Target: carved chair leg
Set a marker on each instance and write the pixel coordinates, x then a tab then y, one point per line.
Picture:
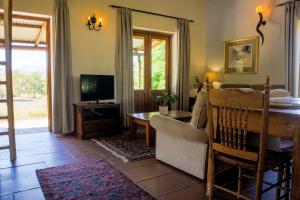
287	176
211	176
240	176
259	184
279	179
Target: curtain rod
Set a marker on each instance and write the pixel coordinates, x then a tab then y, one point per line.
151	13
282	4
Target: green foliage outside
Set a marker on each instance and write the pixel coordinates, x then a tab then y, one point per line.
30	99
157	70
158	67
29	84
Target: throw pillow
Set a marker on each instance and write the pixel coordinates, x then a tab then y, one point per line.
199	114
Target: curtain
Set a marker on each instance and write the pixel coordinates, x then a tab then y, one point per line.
123	71
183	63
62	72
292	46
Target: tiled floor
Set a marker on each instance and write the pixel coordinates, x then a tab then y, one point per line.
42	150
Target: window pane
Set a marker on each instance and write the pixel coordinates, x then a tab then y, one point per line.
138	62
158	68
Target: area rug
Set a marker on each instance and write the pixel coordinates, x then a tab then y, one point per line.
126	149
88	180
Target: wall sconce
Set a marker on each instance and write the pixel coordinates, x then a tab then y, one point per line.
93	25
262	22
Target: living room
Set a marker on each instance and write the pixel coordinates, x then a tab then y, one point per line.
156	100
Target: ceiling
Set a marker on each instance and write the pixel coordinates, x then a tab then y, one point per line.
26	32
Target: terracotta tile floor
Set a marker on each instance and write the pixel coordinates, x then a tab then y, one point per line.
42	150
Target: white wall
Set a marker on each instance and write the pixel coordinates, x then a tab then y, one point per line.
237	19
94	52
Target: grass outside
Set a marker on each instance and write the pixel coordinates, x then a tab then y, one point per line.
28	108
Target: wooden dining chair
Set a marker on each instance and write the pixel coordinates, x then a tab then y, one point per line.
228	142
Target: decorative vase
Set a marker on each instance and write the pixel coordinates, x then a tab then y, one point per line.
163	110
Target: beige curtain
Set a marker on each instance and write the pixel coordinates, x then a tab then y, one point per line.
292	47
123	71
63	88
183	64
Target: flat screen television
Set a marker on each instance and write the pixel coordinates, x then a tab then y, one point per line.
96	87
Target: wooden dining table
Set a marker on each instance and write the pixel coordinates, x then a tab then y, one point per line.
283	123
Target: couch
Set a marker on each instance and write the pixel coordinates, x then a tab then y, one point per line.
181	145
184	145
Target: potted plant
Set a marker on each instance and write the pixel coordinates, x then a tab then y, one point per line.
165	100
198	84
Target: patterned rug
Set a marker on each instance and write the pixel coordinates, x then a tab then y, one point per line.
89	180
127	149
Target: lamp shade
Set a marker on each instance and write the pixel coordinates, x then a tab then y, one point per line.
212	76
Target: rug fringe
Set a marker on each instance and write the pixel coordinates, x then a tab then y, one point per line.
111	151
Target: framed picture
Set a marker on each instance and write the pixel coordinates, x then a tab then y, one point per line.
241	56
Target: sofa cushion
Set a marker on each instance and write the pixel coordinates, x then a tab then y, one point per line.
199	114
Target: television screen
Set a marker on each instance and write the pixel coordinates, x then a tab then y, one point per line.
96	87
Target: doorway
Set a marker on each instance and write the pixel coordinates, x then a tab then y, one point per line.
151	68
31	73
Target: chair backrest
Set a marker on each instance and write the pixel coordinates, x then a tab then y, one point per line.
228	112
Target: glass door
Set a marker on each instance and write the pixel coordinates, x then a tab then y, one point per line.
139	75
151	68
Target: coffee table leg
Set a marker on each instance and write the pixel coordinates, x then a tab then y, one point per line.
147	135
150	136
132	127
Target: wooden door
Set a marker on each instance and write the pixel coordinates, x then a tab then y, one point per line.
151	61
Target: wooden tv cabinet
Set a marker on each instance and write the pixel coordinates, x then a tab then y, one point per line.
93	120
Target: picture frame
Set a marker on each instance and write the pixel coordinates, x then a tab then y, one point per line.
241	56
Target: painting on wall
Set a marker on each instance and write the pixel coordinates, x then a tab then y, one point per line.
241	56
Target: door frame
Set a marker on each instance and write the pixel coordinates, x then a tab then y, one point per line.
49	60
148	35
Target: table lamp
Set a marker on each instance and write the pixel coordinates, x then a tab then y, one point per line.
212	76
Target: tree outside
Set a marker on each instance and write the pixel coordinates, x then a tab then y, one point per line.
158	67
158	70
32	85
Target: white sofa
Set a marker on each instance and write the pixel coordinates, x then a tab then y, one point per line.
181	145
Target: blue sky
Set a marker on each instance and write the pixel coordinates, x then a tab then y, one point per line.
28	61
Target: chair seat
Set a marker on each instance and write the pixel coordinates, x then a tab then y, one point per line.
272	160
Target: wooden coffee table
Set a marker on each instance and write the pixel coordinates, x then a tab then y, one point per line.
143	119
